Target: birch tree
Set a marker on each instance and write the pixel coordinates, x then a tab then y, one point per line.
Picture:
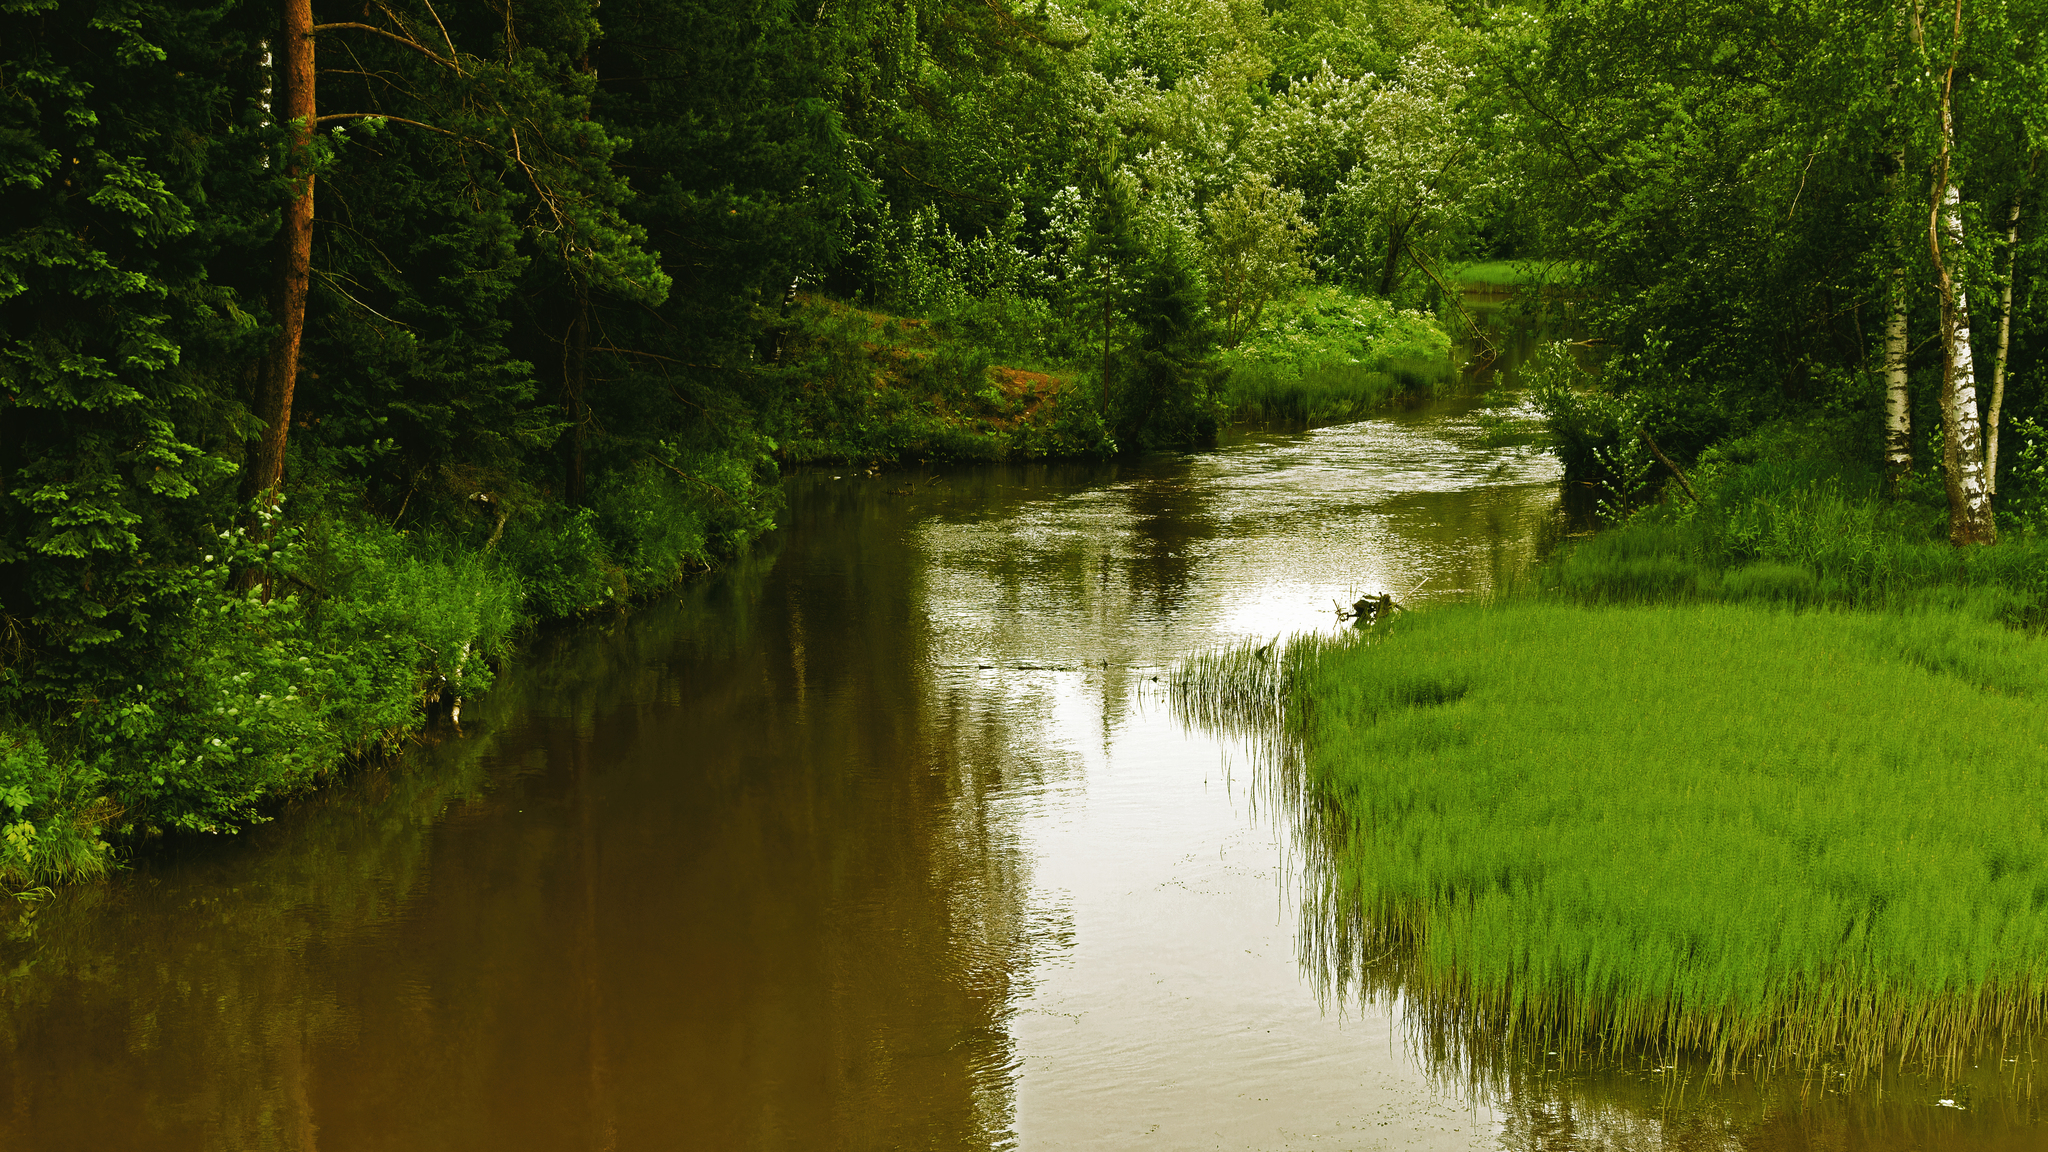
2005	284
1963	451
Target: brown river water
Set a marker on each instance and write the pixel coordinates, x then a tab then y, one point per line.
886	837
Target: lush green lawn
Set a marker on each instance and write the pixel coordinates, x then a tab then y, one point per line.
1752	831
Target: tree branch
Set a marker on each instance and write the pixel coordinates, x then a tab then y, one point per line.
394	37
382	116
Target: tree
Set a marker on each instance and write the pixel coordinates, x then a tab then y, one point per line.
521	112
1969	490
1257	249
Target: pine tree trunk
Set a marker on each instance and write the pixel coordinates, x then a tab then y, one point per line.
575	375
277	376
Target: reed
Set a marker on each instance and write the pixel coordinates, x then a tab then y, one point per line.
1759	836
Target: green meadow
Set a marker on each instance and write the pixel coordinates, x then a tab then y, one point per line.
1746	832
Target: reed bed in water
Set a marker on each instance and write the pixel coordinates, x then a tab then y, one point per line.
1760	836
1245	689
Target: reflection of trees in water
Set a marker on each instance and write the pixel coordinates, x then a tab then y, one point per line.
1173	520
690	871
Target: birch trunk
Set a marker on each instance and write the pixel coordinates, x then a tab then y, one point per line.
2012	247
277	376
1969	495
1962	450
1898	407
1898	395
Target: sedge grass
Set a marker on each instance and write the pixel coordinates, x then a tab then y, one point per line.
1327	393
1751	834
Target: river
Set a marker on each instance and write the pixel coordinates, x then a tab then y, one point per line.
885	837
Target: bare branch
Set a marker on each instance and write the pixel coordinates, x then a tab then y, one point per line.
395	38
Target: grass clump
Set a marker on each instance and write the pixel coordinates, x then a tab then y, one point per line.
1761	835
1327	355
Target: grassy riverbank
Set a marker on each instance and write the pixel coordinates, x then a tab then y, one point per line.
867	387
1746	776
1325	355
1741	830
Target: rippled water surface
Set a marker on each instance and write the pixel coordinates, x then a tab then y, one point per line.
884	838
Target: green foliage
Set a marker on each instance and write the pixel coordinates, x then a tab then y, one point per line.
1543	810
866	387
1505	273
1326	354
1256	250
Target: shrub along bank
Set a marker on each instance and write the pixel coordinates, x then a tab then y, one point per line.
254	695
1325	355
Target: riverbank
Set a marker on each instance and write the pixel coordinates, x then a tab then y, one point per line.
359	626
871	389
281	657
1735	778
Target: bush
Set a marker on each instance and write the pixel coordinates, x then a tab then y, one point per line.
1326	354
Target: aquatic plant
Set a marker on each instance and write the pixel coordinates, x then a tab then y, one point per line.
1755	833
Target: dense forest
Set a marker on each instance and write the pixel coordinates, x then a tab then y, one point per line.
339	343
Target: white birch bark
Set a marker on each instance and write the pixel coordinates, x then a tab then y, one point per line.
2012	247
1898	406
1969	496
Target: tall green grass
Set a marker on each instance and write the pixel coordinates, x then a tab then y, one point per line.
1324	393
1760	835
1802	532
1513	272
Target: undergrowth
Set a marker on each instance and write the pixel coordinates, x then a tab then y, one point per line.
257	693
867	387
1802	532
